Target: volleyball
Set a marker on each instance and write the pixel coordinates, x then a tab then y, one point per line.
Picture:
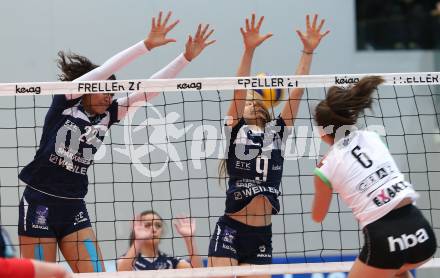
271	97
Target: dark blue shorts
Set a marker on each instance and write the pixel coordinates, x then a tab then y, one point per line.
246	244
41	215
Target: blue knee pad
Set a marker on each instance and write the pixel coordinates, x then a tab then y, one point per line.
39	252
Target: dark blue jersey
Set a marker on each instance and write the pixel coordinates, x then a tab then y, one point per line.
68	143
254	164
163	261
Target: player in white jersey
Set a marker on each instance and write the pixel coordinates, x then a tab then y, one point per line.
361	169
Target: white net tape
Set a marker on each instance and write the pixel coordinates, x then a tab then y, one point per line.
207	84
240	270
229	83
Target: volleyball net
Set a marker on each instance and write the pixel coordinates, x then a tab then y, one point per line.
165	155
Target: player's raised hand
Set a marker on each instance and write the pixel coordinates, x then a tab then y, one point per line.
159	31
185	226
251	33
195	45
313	35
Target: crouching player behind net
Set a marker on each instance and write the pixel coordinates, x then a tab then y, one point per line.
255	162
144	252
361	169
52	209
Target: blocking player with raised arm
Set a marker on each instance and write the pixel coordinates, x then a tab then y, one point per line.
144	252
52	209
255	162
361	169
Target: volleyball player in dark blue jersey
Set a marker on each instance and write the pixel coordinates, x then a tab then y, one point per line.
144	252
52	210
255	162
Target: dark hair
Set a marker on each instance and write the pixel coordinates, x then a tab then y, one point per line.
73	66
342	106
145	212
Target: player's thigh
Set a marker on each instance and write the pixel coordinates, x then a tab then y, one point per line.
81	251
254	276
43	249
361	270
407	267
222	261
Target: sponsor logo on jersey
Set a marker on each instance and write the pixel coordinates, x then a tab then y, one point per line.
258	189
389	193
238	196
407	241
243	165
68	165
247	183
276	167
381	173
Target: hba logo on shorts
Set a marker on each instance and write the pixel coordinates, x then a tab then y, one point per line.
407	241
24	90
193	85
346	80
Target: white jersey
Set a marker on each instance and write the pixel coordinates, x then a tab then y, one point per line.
361	169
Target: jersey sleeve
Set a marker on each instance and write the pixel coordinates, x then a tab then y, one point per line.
281	124
112	65
231	132
113	111
58	105
324	171
18	268
136	99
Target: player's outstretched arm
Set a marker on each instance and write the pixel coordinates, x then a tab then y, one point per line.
251	39
310	40
186	227
157	37
194	46
321	201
